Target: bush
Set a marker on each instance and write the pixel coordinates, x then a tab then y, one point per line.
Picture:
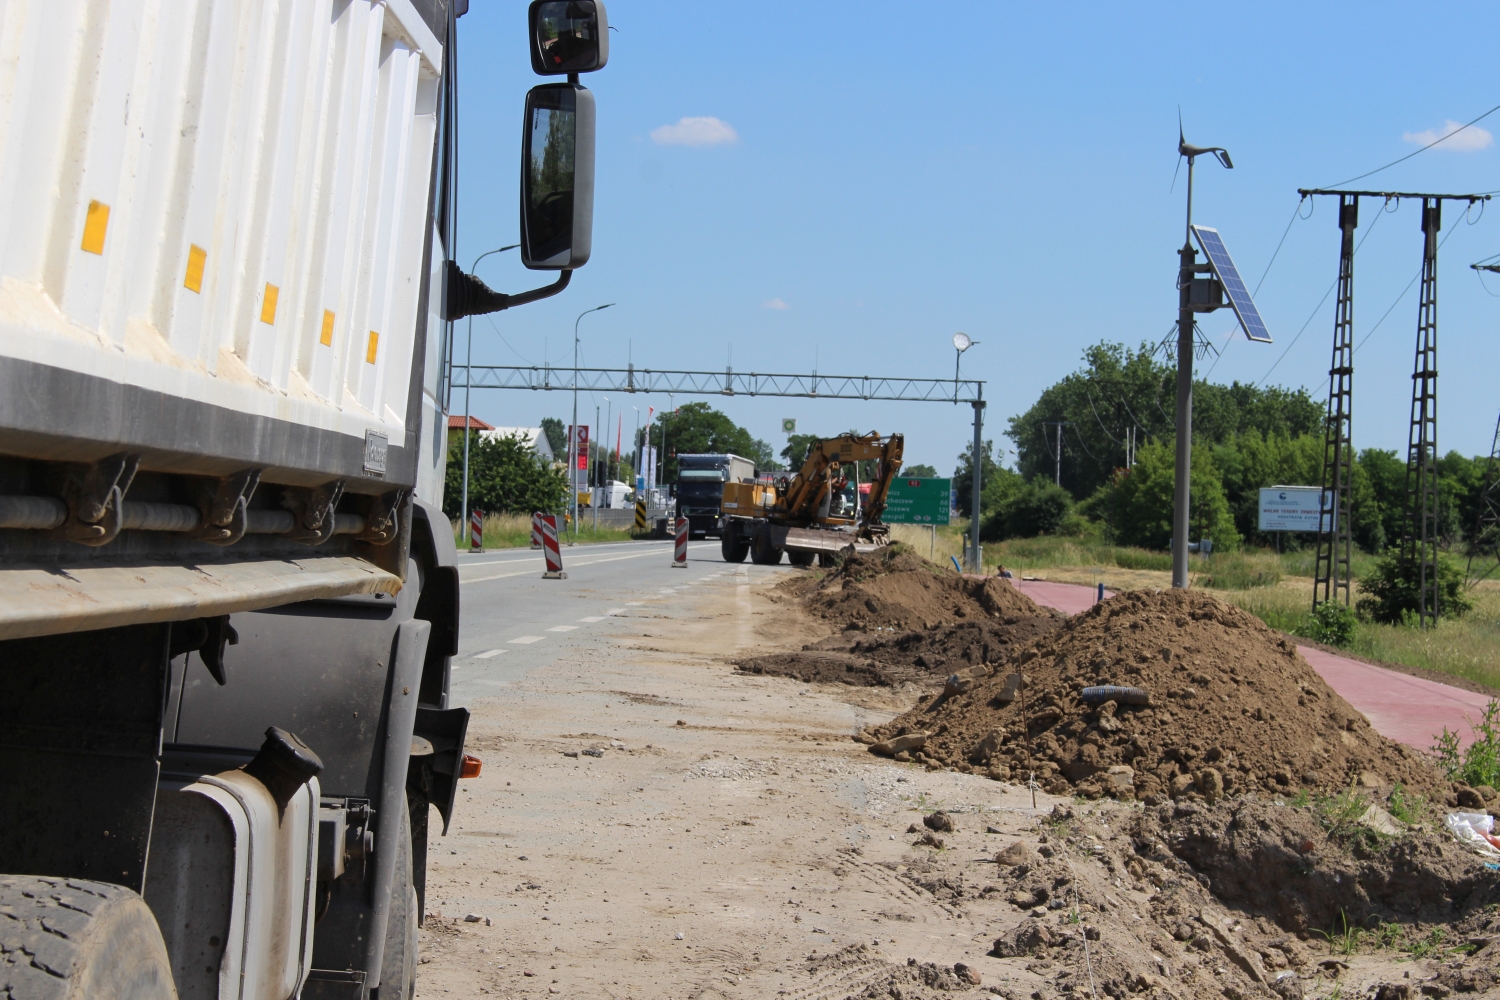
505	477
1479	762
1137	504
1026	511
1332	623
1389	591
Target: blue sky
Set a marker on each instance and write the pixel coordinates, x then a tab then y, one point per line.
876	177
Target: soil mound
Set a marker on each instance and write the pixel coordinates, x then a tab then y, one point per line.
895	588
1234	708
922	657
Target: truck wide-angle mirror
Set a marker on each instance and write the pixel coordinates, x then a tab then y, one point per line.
557	177
568	36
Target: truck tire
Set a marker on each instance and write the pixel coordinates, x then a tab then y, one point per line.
801	558
71	939
734	547
762	552
398	966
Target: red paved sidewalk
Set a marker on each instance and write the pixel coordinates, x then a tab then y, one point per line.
1411	710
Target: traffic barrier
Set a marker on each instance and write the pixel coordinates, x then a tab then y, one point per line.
536	531
679	552
640	517
476	530
550	549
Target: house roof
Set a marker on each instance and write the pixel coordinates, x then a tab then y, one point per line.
456	423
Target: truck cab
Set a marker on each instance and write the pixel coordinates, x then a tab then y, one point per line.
700	489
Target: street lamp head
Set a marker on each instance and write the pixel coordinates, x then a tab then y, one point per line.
962	342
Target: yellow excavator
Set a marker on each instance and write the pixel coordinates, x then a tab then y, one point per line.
815	513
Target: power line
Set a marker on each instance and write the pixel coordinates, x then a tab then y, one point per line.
1319	306
1415	152
1413	281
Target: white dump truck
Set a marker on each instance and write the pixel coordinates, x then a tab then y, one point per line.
228	595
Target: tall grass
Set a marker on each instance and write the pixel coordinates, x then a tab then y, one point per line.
513	531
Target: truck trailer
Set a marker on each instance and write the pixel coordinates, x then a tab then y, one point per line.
228	594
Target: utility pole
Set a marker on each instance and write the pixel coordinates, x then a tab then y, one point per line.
463	516
573	440
1335	540
1059	424
976	553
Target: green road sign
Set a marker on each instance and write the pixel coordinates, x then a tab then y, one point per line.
918	501
789	425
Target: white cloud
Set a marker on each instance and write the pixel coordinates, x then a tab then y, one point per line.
1470	140
773	304
706	131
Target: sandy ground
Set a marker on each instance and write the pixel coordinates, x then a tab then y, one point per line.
730	830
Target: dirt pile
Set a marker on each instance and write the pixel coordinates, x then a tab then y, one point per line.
923	657
1234	708
893	588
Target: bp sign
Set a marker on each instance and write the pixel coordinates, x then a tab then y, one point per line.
918	501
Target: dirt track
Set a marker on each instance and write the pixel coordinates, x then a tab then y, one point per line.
757	831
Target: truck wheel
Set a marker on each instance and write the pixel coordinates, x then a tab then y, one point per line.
71	939
801	558
733	547
762	552
398	966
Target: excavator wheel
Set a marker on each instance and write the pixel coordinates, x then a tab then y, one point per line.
762	552
801	558
733	547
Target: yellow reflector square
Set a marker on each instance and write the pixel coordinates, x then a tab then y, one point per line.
326	337
193	280
268	305
95	223
370	350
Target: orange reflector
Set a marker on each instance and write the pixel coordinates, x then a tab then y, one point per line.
471	767
372	347
95	225
326	337
193	279
268	305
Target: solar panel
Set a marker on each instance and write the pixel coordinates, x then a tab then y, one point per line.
1234	285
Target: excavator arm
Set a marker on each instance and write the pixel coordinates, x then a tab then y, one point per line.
801	499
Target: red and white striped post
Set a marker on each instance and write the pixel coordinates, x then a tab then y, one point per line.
536	531
679	552
476	530
550	549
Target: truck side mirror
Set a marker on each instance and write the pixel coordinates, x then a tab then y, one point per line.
568	36
557	176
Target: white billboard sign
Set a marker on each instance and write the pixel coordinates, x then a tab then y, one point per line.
1291	508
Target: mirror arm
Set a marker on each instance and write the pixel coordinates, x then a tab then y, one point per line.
466	295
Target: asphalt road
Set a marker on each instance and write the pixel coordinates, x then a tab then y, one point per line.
514	621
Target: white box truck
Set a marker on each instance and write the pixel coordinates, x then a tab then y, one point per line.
228	595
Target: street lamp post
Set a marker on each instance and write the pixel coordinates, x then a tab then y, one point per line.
962	342
573	438
468	389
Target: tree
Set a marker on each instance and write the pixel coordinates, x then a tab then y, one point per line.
1252	460
1388	593
1118	390
1137	505
506	476
557	437
1018	509
963	476
697	428
919	471
795	452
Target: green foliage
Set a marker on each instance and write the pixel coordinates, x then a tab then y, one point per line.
963	476
1407	808
557	437
1343	937
1432	943
1118	388
1251	460
1240	570
1016	509
1332	623
1137	503
505	477
795	452
699	429
1479	762
1390	590
1340	813
916	471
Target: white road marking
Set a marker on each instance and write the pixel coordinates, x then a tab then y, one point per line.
594	618
488	653
529	638
562	628
621	611
634	604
